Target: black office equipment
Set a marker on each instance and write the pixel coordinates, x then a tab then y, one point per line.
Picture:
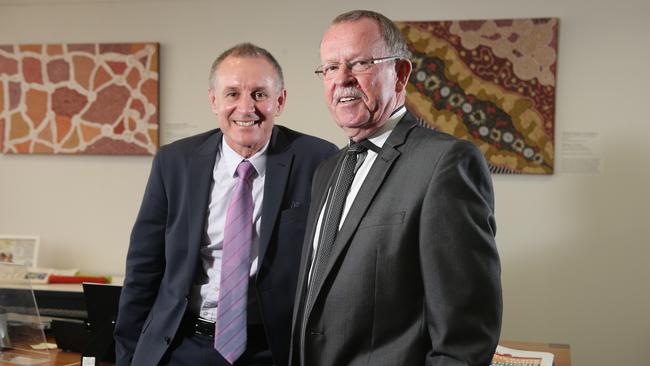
60	304
70	334
101	304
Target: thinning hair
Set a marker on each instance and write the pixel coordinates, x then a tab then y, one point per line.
245	50
393	39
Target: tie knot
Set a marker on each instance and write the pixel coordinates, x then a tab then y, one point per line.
356	148
245	170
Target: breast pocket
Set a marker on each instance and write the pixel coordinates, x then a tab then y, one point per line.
384	219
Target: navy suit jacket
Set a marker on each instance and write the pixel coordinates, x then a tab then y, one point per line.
163	255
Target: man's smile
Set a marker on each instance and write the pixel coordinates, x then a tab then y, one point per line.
347	99
244	123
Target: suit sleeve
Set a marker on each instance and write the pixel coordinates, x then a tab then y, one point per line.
459	260
144	266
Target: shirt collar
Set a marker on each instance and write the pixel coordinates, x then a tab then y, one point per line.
231	159
381	135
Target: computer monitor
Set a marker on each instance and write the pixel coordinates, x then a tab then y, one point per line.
102	302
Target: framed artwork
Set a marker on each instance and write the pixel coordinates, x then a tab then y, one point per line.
491	82
94	99
21	250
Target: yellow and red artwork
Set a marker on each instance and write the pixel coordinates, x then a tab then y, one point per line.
79	98
491	82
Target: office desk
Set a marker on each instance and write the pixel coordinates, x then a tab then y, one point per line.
60	358
59	300
562	352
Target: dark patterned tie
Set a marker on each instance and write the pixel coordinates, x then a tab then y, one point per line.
230	331
330	223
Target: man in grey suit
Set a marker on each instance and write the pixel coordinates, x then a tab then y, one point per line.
185	240
402	267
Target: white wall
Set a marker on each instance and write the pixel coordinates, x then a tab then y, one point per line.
573	247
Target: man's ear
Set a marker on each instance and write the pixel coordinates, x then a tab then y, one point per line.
403	68
281	101
213	100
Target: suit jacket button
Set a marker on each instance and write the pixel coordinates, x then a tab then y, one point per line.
168	340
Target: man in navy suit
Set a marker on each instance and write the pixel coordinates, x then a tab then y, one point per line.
169	302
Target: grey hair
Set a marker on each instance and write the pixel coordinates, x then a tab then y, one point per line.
393	39
245	50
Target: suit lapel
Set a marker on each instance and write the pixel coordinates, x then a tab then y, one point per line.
278	166
321	182
375	178
320	190
199	182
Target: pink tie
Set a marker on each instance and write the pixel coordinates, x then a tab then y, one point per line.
230	332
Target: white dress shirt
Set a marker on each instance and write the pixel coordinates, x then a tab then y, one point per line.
206	289
378	138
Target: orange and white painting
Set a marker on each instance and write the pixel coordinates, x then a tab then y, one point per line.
93	99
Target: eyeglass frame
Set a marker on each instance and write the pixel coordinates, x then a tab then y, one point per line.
320	71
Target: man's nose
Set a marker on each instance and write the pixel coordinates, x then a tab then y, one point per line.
246	104
343	76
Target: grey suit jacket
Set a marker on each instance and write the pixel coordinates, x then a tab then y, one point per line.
414	277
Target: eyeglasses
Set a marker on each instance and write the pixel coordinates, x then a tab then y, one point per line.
356	67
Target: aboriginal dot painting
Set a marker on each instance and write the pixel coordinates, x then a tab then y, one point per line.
491	82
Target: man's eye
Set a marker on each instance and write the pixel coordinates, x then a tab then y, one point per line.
360	64
330	67
259	95
231	94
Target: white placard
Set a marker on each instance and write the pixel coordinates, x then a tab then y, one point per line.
178	130
581	153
